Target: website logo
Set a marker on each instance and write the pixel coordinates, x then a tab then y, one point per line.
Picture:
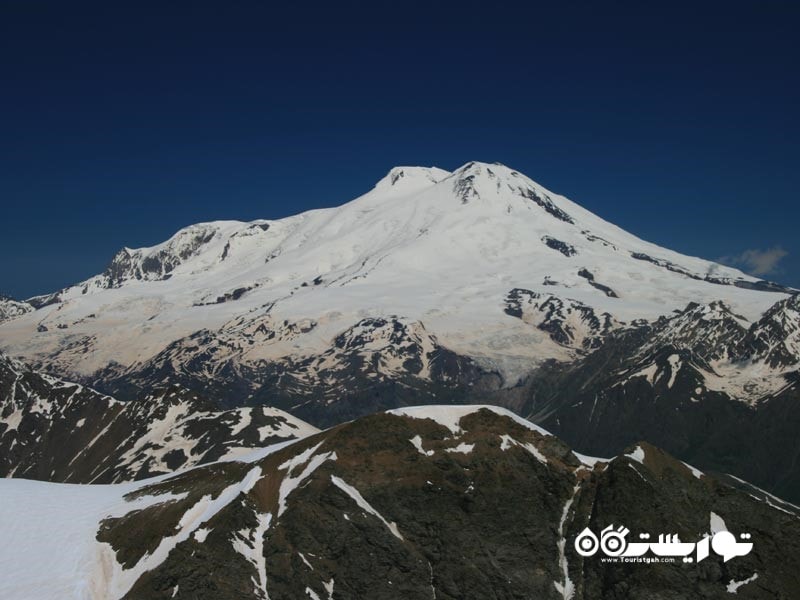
613	544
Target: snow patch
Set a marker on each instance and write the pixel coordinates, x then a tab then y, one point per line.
508	441
462	448
328	585
590	461
450	416
696	472
734	586
416	441
363	504
567	588
637	454
291	482
250	544
312	594
674	367
305	560
716	524
244	420
635	470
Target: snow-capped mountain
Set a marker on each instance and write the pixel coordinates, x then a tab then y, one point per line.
430	502
435	287
58	431
481	265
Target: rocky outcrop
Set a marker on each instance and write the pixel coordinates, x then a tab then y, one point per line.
433	502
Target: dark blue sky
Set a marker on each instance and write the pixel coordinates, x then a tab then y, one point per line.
122	122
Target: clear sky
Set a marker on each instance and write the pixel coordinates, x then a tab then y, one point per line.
122	122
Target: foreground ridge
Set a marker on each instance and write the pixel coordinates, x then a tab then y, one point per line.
425	502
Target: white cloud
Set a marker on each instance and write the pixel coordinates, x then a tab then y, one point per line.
757	262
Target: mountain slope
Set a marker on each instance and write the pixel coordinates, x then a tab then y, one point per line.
376	364
432	502
705	384
481	264
59	431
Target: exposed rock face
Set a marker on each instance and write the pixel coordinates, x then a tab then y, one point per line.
158	264
58	431
559	246
377	364
10	308
705	384
568	322
433	502
774	340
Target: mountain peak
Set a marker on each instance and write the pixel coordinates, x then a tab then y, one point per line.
478	166
495	170
475	170
410	179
